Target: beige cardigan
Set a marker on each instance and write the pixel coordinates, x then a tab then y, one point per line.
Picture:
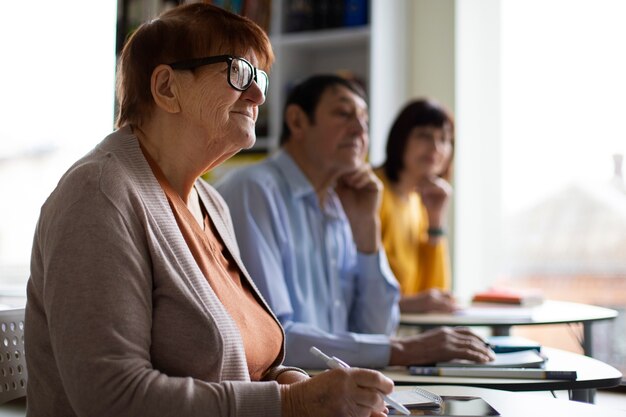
120	320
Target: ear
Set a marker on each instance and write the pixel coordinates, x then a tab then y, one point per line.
296	119
164	88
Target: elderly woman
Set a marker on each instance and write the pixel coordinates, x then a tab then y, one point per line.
415	202
138	302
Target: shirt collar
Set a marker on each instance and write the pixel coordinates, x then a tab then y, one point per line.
298	183
300	186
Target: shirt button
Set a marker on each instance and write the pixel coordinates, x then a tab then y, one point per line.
337	303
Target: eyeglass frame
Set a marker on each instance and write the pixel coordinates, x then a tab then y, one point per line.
193	63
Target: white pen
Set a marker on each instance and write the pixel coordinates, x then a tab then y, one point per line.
335	363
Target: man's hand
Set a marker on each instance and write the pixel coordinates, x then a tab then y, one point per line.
360	195
440	345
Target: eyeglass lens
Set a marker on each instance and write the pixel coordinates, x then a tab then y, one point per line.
242	74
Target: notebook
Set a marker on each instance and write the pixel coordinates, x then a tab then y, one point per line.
464	406
509	296
504	344
417	398
522	359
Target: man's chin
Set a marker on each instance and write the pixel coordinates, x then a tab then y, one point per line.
351	165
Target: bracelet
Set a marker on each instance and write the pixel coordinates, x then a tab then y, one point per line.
436	232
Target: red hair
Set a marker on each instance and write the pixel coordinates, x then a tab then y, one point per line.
190	31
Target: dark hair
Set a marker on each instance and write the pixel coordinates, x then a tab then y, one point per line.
422	112
307	95
185	32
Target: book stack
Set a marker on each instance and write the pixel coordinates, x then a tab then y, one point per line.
516	357
520	359
526	298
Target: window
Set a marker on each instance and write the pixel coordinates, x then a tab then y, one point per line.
563	198
57	102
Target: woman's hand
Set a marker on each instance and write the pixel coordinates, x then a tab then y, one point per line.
350	392
435	193
440	345
429	301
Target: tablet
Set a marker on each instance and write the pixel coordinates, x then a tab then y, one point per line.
457	406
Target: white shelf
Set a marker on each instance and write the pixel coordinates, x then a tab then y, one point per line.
333	38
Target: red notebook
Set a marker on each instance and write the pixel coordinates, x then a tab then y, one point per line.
509	296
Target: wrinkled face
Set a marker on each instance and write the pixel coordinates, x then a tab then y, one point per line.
216	112
428	151
338	137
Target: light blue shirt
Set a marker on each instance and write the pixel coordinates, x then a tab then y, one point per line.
304	261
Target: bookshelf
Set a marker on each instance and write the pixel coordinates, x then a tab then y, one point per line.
132	13
369	46
299	55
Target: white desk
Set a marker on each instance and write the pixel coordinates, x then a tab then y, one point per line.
500	319
517	404
508	404
592	374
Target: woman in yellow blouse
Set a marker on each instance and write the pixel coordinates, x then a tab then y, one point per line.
414	205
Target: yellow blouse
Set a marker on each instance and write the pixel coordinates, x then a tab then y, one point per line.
417	264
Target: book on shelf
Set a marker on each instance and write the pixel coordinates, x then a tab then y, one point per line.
299	15
259	11
234	6
355	13
509	296
328	14
521	359
302	15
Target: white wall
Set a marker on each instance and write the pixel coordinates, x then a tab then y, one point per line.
477	168
432	60
389	64
454	58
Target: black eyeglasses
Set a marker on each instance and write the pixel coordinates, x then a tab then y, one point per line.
241	73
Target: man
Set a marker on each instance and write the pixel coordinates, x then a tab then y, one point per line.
306	220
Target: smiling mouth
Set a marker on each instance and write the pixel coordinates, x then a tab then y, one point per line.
243	113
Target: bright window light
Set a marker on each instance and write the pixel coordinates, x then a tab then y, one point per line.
563	197
564	89
58	68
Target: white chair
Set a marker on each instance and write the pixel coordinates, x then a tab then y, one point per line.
13	375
